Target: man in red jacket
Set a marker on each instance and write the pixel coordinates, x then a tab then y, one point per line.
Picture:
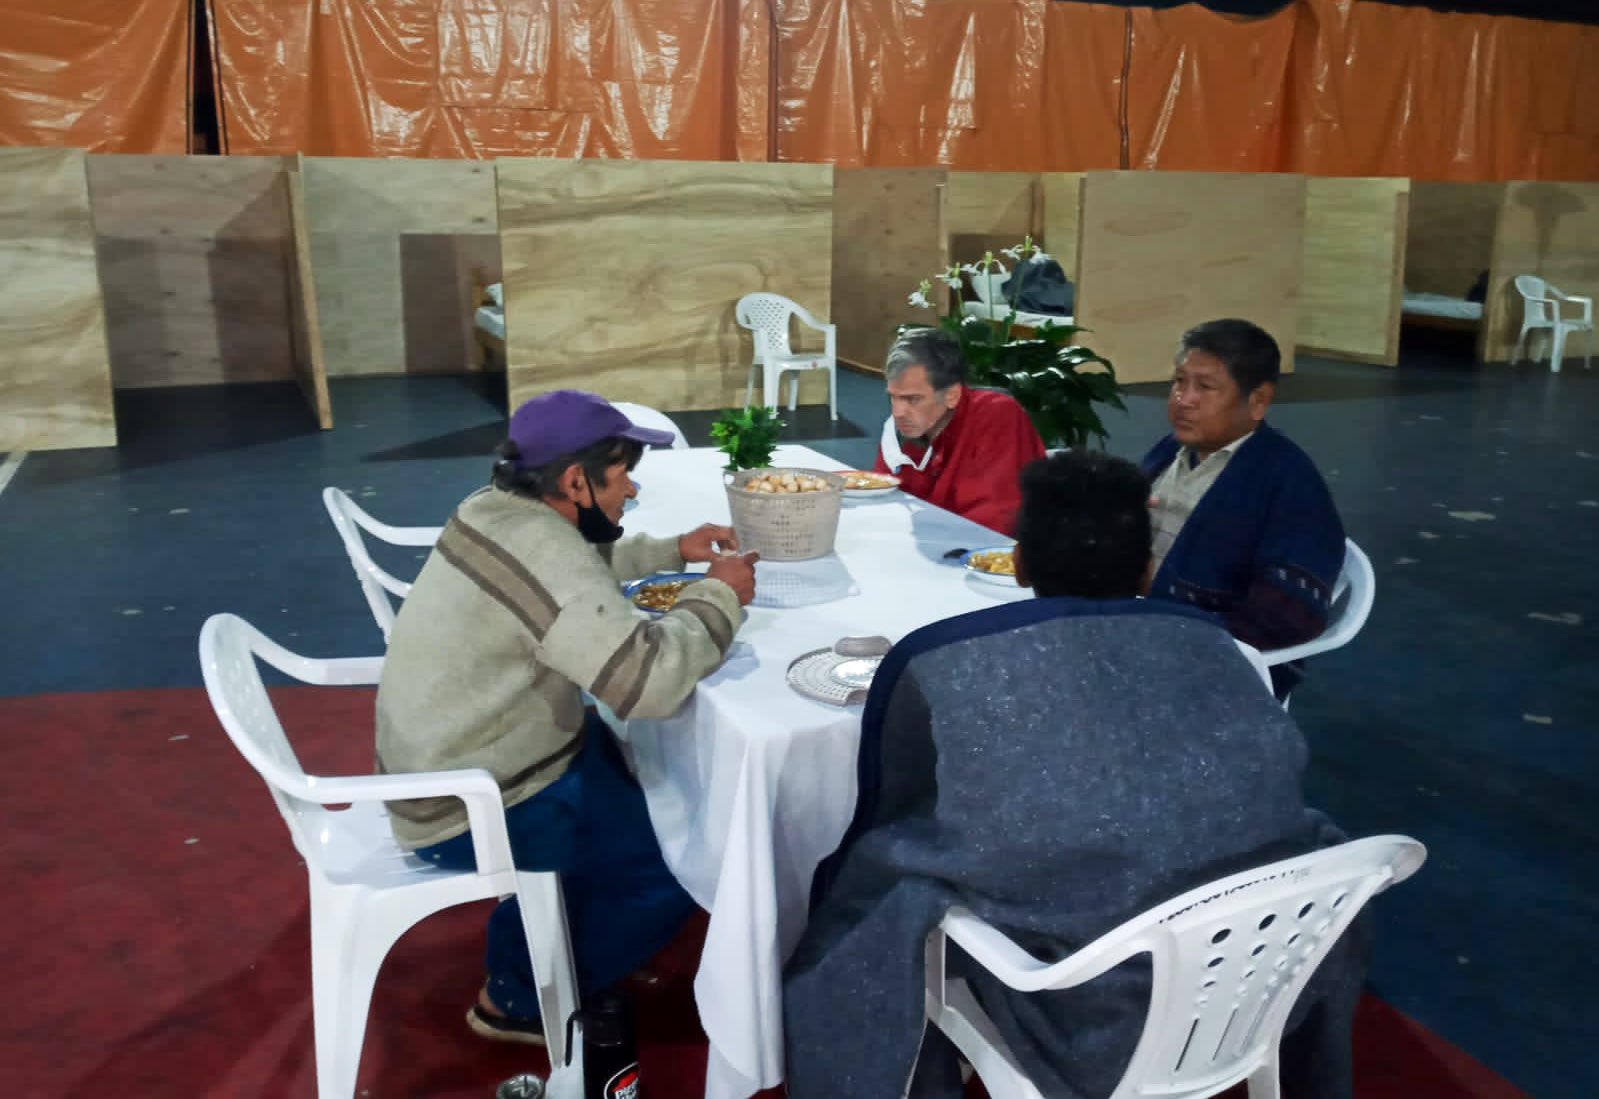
959	448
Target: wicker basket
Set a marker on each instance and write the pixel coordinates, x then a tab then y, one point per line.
788	526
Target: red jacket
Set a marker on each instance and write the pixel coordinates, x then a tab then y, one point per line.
977	460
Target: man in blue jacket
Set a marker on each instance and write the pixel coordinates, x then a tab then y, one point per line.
1244	526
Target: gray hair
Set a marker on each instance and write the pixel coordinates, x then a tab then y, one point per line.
935	350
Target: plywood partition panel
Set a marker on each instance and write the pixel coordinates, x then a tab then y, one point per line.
1353	266
1062	196
621	276
987	211
309	365
55	372
395	245
887	237
194	253
1450	235
1162	251
1546	229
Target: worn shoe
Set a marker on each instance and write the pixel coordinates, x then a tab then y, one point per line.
503	1028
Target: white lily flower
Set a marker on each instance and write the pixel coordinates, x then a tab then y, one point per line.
1013	253
919	300
1039	256
952	281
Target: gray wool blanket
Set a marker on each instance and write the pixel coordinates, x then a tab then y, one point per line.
1057	766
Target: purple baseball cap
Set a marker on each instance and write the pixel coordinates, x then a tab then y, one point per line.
567	420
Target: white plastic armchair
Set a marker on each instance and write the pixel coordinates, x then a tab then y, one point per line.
767	316
1543	308
644	416
366	891
1228	960
376	583
1353	596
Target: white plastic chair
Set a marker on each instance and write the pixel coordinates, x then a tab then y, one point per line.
1228	961
366	891
376	583
644	416
1541	309
768	316
1357	588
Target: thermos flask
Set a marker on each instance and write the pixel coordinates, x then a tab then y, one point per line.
610	1058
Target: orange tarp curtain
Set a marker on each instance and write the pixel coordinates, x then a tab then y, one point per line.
652	79
102	75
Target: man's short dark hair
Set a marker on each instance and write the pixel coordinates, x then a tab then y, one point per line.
1083	527
541	481
935	350
1249	352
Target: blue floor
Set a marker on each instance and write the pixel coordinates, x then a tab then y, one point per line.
1466	714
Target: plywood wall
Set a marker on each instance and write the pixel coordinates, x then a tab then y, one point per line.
887	237
1162	251
1449	235
1546	229
1354	260
395	244
309	366
621	276
1062	196
55	372
988	211
195	254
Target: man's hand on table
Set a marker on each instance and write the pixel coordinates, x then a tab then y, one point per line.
737	571
706	543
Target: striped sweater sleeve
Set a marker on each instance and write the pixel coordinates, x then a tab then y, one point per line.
584	629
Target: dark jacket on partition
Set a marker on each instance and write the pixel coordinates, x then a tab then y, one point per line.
1058	766
1264	546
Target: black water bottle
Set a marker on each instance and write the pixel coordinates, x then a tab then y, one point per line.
610	1059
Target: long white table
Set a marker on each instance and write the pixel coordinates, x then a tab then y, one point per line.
751	785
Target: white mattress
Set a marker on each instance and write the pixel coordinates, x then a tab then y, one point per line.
1442	305
999	313
491	320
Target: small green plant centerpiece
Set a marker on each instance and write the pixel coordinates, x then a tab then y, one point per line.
1056	379
747	436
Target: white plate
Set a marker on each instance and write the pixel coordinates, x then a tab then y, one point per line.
987	577
869	493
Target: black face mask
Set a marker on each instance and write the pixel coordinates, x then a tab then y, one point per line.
594	525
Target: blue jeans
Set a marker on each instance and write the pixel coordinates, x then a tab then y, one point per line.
590	826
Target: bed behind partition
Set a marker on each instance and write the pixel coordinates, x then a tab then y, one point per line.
1449	248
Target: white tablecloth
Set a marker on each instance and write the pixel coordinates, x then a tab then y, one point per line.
751	785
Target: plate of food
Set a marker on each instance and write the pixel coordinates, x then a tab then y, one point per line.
659	593
867	483
995	564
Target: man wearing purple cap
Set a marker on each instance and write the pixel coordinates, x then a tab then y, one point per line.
515	614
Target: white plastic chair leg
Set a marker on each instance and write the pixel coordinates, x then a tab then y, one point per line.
1521	346
793	389
343	972
832	390
771	396
1264	1082
749	385
1557	349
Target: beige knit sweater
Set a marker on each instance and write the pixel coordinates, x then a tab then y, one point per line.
511	616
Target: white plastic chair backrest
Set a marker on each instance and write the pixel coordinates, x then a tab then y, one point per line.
1353	594
768	316
1230	958
377	584
228	650
1535	300
644	416
991	288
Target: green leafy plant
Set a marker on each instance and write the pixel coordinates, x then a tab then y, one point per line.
747	436
1056	379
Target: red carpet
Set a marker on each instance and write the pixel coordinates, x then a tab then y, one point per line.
159	946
